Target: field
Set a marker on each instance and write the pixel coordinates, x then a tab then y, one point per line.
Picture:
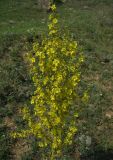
91	23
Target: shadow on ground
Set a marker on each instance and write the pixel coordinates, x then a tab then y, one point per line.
99	154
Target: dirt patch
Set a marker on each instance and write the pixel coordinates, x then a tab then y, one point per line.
19	149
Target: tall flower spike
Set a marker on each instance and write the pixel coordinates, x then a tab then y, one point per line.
55	71
53	21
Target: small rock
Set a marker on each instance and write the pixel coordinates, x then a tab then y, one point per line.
88	140
109	114
82	138
86	7
11	21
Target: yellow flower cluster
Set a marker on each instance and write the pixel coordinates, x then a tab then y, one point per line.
56	75
53	28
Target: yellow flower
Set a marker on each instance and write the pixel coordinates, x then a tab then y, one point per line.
38	53
50	16
81	59
40	144
75	44
73	129
76	115
56	62
45	80
33	60
52	32
57	120
53	7
54	145
55	21
72	52
85	97
49	43
51	50
32	100
52	97
63	50
50	26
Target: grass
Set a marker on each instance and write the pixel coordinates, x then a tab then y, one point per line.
21	17
91	24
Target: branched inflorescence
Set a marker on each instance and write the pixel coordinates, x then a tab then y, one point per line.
55	69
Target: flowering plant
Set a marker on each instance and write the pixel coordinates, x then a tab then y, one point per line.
55	69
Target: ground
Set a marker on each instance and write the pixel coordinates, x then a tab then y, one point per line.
90	22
